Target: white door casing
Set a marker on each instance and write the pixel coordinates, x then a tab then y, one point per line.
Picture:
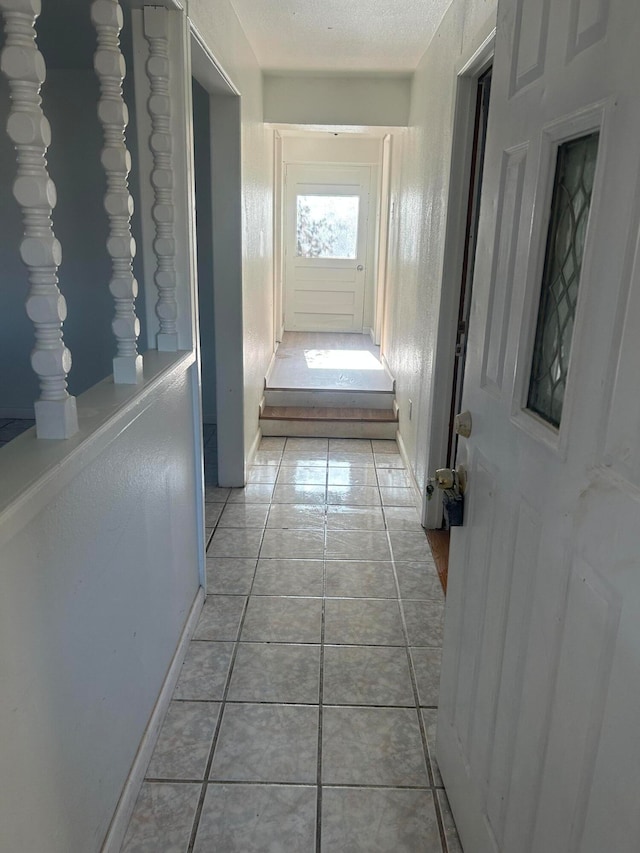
326	293
540	692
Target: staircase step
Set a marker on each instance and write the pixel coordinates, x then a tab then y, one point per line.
333	398
328	421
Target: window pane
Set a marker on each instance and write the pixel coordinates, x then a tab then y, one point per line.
572	190
327	226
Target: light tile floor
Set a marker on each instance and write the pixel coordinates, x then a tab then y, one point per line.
305	713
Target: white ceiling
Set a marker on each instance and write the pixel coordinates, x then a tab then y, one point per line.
340	35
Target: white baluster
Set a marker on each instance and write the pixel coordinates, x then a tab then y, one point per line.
110	67
161	144
29	130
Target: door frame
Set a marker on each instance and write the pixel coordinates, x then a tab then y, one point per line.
226	194
471	68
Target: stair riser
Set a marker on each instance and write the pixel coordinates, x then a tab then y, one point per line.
320	398
329	429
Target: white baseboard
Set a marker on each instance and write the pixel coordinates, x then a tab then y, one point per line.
254	447
124	809
12	412
414	483
272	364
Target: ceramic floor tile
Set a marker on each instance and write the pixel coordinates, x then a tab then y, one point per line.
270	672
235	542
214	494
296	516
267	743
288	494
450	831
263	473
382	445
270	442
353	495
426	665
184	742
267	457
407	546
357	545
394	496
308	544
162	818
355	518
212	513
307	445
419	580
361	820
340	459
388	460
306	459
430	718
372	746
402	518
257	818
367	675
230	576
283	620
289	577
350	445
220	617
244	515
393	477
363	622
424	622
351	476
254	493
204	671
302	476
357	579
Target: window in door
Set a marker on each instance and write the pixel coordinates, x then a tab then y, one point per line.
571	201
327	226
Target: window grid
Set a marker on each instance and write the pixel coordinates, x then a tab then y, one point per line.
573	187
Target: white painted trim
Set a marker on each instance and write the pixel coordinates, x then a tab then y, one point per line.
414	483
383	237
272	364
471	66
385	364
255	443
23	414
206	68
131	789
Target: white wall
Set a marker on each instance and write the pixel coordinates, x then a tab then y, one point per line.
98	572
337	99
220	29
420	185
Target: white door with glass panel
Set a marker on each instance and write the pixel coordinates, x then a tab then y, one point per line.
326	224
539	722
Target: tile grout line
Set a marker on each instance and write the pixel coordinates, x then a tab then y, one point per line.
198	814
421	725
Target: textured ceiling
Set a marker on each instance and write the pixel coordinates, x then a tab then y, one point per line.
340	35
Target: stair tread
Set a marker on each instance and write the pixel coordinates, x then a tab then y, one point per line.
327	413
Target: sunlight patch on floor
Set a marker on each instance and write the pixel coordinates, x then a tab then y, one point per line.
341	359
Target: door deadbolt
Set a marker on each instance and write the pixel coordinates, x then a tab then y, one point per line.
359	267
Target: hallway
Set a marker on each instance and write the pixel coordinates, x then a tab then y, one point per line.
304	715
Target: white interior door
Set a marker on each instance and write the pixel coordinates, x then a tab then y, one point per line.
326	227
540	695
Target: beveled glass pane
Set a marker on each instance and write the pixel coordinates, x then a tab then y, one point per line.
573	185
327	226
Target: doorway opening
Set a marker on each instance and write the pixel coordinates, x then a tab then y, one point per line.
216	125
469	145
